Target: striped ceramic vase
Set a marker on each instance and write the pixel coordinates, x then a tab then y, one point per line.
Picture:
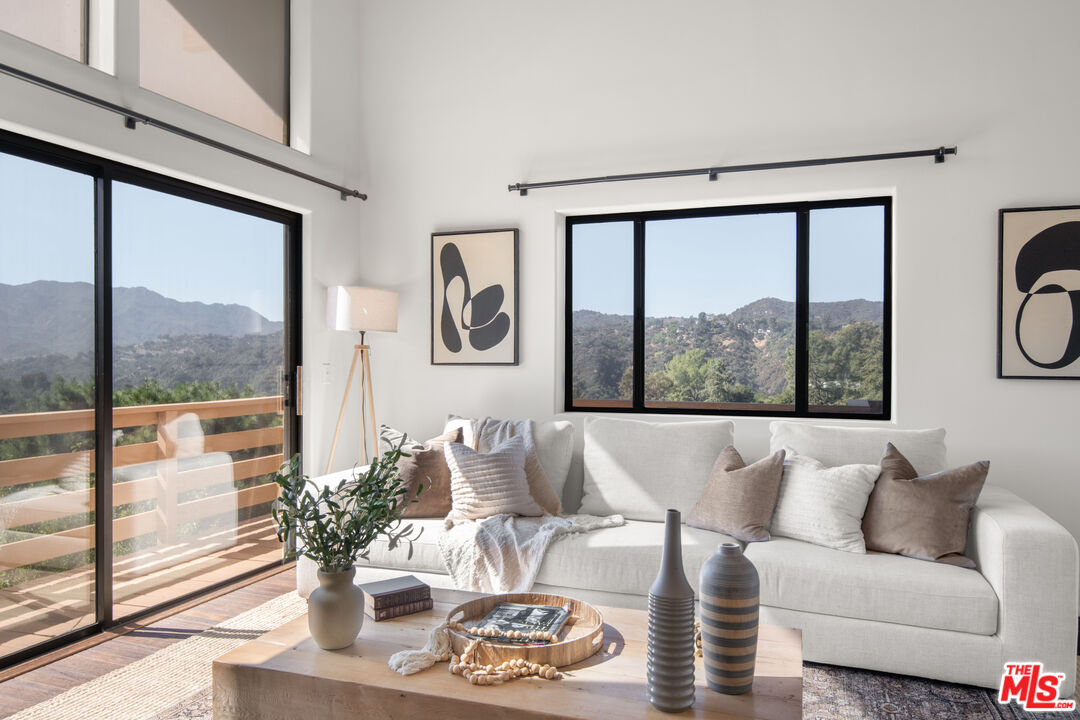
670	653
729	619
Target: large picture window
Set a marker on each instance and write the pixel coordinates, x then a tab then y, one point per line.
767	309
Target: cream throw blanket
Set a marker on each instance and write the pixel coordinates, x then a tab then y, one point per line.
503	553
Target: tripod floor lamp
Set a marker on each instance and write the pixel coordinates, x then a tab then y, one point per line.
360	309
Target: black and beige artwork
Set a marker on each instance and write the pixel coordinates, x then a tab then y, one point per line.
1039	293
474	296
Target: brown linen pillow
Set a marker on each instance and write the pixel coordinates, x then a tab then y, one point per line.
738	500
426	465
924	517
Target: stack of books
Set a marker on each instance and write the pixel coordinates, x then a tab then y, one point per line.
385	599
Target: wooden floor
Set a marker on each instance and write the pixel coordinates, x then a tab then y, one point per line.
43	683
61	602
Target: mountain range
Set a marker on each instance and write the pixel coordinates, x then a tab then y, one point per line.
57	318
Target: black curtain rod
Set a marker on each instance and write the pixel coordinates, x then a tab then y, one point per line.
937	153
131	118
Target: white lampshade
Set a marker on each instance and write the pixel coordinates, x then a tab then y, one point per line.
361	309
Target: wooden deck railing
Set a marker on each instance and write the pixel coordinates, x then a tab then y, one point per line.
157	464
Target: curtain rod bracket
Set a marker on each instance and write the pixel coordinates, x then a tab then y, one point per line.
129	122
713	175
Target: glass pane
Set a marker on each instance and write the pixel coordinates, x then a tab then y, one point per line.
847	256
46	402
603	314
720	312
198	359
228	59
59	25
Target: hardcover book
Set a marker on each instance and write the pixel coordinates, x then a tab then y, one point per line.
505	617
394	591
394	611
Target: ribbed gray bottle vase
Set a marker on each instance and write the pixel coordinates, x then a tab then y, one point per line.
729	620
670	656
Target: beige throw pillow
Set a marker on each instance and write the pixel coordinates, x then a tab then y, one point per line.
738	499
924	517
426	465
486	484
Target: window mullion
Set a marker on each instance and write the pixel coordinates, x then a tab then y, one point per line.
103	500
639	314
802	311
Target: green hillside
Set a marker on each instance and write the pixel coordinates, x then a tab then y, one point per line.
744	356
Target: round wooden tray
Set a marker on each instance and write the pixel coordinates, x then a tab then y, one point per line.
581	635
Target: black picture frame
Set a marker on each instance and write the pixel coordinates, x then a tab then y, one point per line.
1049	237
492	258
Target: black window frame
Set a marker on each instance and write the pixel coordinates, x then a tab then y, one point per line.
105	172
802	307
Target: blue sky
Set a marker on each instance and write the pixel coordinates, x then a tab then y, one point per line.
180	248
719	264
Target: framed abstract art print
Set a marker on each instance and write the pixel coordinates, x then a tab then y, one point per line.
1039	293
474	298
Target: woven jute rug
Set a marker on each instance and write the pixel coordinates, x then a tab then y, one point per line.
164	683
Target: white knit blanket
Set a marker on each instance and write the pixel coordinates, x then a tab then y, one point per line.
503	553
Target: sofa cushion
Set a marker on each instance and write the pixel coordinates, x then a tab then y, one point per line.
425	468
882	587
553	441
922	516
739	499
486	484
640	469
622	559
823	505
834	445
421	555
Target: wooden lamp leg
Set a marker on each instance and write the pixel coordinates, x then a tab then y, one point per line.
344	401
366	358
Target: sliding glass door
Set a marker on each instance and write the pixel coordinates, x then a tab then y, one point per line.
198	361
47	413
159	320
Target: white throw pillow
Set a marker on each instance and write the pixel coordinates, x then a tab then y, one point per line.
640	469
835	445
554	441
823	505
486	484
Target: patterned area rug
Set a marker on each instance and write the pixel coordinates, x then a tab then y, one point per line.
838	693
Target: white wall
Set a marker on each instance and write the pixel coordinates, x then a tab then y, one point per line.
331	228
459	99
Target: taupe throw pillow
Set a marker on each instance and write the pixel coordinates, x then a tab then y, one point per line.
922	517
427	466
738	500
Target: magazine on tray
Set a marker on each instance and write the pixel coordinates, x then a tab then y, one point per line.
505	617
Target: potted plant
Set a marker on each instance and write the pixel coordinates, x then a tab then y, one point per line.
334	526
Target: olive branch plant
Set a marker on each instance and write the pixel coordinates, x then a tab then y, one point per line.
334	526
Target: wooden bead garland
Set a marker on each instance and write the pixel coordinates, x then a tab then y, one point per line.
492	674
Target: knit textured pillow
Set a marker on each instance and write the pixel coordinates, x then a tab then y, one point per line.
486	484
823	505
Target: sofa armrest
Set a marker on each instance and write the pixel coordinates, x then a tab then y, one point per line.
1031	563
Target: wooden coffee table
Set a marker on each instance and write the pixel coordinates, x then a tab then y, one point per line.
284	676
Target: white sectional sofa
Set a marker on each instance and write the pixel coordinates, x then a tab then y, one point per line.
876	611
